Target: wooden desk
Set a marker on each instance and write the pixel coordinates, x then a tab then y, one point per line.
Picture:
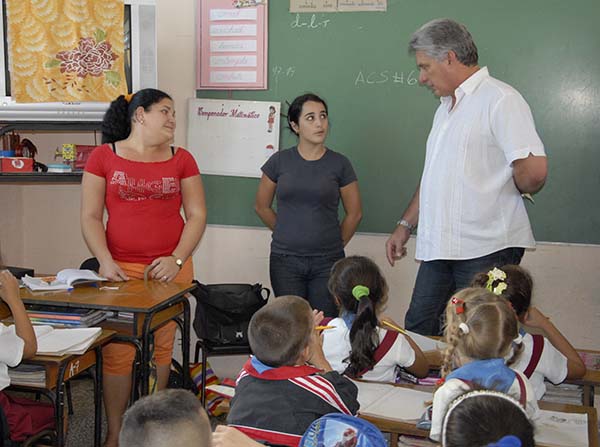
61	369
396	427
152	303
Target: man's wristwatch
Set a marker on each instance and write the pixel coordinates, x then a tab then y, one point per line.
406	224
178	261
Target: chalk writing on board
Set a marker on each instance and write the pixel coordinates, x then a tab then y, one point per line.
312	23
287	72
367	78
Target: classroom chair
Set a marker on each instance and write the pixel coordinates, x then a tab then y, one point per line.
45	437
210	347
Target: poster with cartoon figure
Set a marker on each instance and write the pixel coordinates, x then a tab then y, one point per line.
230	137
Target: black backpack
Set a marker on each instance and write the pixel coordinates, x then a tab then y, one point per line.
223	311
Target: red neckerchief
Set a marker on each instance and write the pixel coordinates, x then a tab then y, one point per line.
281	373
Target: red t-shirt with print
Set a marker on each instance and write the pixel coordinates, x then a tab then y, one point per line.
143	201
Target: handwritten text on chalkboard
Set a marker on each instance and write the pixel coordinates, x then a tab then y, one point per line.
364	78
309	23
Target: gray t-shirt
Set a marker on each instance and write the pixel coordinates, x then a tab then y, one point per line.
308	195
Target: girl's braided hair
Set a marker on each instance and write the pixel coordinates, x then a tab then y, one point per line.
479	326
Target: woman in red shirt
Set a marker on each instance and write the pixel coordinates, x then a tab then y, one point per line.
142	181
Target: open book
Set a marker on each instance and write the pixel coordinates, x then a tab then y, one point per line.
387	401
65	341
64	280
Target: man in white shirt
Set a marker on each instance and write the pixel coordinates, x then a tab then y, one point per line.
483	152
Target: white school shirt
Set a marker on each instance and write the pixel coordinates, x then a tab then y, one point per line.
552	365
453	388
11	352
469	205
336	347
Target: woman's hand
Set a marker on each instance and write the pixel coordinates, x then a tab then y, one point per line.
164	269
111	271
9	288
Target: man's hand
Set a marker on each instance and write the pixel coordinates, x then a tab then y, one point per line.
395	247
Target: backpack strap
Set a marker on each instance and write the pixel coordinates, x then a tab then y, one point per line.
538	348
386	344
522	390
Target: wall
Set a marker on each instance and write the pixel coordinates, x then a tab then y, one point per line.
39	224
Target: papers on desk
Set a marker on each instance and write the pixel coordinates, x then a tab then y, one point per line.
426	343
561	429
391	402
222	390
59	342
64	280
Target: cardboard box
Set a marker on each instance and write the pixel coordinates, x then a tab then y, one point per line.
16	164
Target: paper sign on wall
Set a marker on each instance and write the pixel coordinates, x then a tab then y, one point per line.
232	45
229	137
313	6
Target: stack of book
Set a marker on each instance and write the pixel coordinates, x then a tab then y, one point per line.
59	342
28	375
565	393
66	317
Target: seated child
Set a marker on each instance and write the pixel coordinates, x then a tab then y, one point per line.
359	345
167	418
480	330
288	383
25	417
551	358
486	418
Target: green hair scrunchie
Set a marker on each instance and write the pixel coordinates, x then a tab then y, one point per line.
359	291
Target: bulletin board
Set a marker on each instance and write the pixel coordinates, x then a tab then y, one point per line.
232	138
232	45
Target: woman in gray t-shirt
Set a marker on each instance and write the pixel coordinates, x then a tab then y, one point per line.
308	180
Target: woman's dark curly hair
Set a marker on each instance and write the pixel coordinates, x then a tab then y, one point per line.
116	124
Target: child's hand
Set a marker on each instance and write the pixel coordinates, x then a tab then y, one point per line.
318	316
317	357
9	287
535	318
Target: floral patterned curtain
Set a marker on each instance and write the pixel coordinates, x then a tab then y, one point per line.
65	50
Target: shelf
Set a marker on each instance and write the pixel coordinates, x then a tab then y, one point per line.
41	177
60	126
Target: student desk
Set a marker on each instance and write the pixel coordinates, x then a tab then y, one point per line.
396	427
61	369
152	303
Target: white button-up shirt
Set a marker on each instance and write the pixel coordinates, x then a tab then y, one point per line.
469	205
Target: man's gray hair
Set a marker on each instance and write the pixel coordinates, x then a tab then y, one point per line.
439	36
164	415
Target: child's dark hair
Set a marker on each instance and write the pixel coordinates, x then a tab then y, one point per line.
295	108
479	326
480	418
279	331
359	288
116	124
509	281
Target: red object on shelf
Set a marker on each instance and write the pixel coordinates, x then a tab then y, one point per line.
16	164
82	154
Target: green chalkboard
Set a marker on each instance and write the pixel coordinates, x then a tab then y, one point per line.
380	117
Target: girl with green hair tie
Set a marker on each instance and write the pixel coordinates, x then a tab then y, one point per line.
360	344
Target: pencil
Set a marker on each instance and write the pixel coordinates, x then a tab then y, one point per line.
393	326
323	328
